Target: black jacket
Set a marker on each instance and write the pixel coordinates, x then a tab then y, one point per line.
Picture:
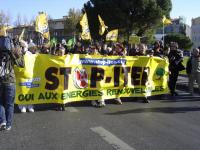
175	60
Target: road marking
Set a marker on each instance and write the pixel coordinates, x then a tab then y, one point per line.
111	139
183	93
71	109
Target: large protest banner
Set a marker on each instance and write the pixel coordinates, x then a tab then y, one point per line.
63	79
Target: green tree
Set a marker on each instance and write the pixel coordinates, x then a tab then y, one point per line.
18	21
183	41
72	19
136	16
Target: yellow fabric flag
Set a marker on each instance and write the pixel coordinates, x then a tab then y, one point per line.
112	35
22	34
166	21
102	26
3	31
85	35
42	25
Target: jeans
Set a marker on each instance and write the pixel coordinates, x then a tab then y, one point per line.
7	98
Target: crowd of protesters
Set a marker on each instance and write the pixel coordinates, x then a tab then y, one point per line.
171	52
107	49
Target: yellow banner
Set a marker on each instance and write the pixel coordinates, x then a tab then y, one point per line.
63	79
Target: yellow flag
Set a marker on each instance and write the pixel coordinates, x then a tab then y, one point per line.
22	34
102	26
42	25
166	21
3	31
112	35
85	35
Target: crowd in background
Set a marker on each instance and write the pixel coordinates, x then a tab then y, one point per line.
101	48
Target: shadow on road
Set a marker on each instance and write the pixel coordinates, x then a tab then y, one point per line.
157	110
182	99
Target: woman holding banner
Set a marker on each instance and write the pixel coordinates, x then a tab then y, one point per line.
142	52
26	50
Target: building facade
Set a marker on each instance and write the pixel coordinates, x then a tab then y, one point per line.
196	32
29	32
56	28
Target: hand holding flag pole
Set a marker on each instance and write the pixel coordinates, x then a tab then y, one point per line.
102	27
165	21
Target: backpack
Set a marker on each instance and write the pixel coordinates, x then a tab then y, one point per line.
5	44
5	67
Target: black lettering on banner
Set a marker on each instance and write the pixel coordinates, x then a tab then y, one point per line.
65	72
73	94
79	93
138	90
109	92
161	88
97	74
63	96
21	97
158	89
108	79
126	70
48	96
26	97
54	96
83	94
116	76
100	93
51	78
145	74
135	76
41	96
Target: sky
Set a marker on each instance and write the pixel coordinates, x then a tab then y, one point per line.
59	8
30	8
187	8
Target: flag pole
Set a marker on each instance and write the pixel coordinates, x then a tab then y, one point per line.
163	35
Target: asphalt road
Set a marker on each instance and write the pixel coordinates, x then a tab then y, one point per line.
167	124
